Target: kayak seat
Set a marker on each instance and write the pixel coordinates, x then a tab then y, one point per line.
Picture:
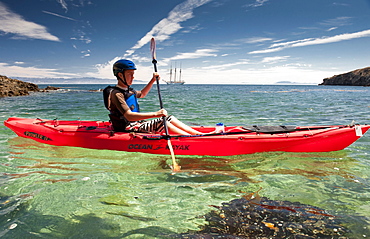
271	129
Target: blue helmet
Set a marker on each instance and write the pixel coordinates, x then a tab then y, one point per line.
122	65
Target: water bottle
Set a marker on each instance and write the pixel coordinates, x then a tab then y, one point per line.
220	128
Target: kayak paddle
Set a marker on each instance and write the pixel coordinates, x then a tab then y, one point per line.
175	166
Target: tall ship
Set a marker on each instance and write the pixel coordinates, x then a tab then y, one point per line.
175	77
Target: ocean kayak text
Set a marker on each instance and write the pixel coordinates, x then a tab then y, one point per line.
156	147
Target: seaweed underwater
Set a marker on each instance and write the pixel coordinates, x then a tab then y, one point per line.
253	216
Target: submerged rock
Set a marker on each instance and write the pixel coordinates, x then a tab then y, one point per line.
264	218
48	88
359	77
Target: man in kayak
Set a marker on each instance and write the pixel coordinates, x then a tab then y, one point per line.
125	115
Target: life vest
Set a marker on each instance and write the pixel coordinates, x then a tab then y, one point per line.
119	122
130	98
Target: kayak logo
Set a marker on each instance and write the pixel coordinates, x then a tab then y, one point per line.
37	136
179	147
140	146
158	147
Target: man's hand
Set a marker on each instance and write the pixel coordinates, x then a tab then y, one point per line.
161	113
155	75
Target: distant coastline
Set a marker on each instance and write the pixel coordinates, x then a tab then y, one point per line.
24	85
100	81
292	83
65	81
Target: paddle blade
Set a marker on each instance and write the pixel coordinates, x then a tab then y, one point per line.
175	167
152	48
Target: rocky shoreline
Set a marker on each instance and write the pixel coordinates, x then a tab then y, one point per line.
359	77
13	87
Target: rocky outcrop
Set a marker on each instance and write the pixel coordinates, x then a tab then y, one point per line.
360	77
49	88
13	87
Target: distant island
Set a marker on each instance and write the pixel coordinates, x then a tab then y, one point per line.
13	87
359	77
63	81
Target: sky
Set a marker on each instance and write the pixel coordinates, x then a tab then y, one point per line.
214	41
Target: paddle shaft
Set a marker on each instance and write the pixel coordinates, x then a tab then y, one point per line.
160	97
175	166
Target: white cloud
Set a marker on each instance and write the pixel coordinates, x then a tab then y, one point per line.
332	28
79	3
13	23
193	55
169	25
86	53
257	3
254	40
313	41
336	22
82	37
63	3
104	70
192	28
274	59
227	65
23	71
161	31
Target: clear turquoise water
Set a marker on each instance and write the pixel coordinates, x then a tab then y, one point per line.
65	192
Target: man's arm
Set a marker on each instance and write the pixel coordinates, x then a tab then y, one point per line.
147	88
136	116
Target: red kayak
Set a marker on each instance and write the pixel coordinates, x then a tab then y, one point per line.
236	139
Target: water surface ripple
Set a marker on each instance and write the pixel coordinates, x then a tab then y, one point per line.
66	192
